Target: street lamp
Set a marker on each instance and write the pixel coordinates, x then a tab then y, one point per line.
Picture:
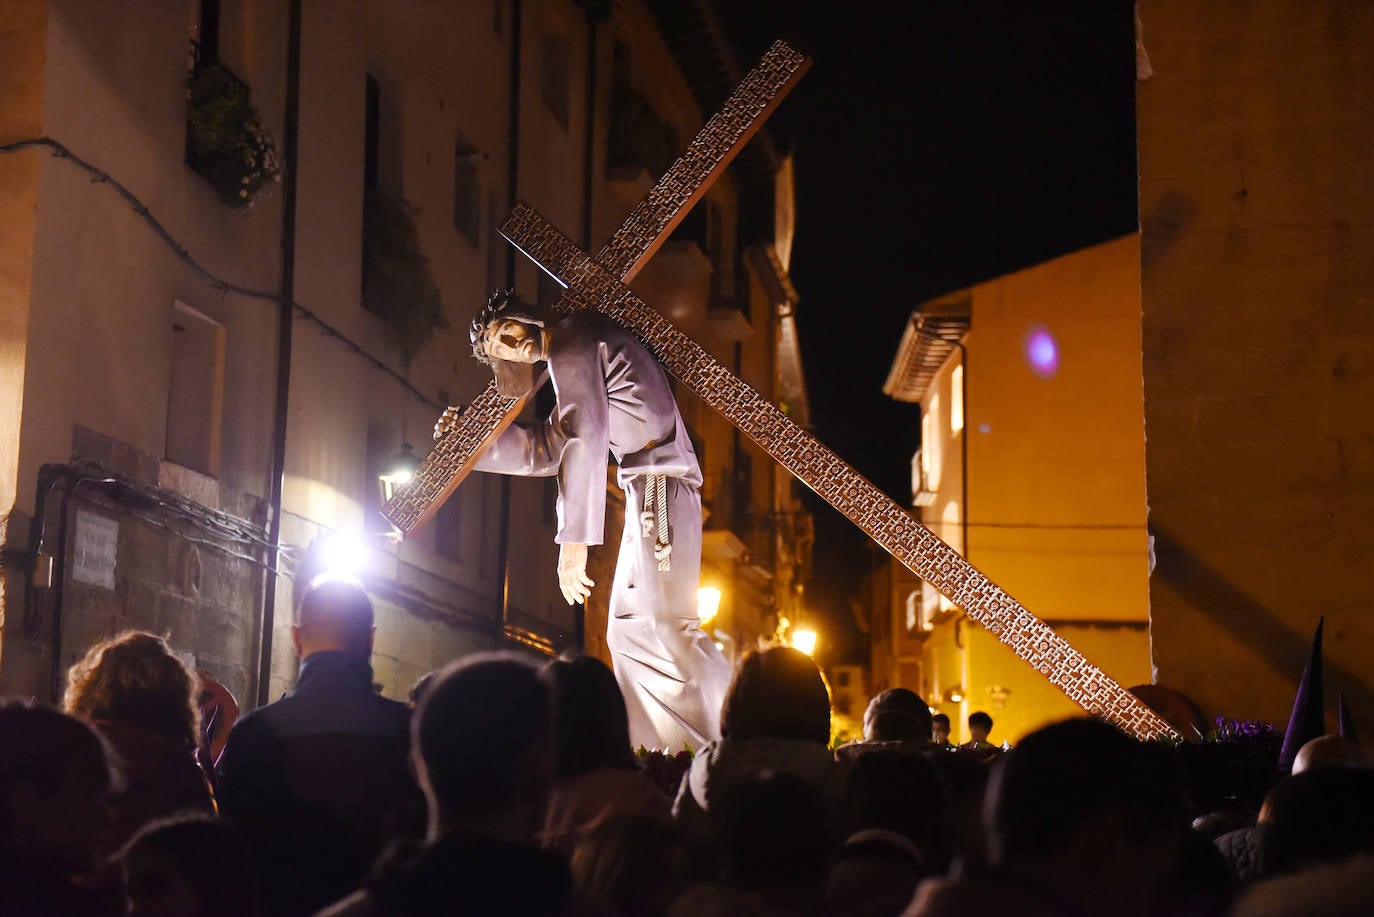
708	603
398	470
804	641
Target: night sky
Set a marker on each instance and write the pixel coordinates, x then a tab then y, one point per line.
937	144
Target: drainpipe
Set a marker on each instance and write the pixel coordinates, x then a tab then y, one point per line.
285	297
512	195
597	11
963	442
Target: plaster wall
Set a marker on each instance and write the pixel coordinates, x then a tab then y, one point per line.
1256	131
1056	482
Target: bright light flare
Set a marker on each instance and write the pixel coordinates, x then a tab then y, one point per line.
708	603
804	641
1042	352
342	555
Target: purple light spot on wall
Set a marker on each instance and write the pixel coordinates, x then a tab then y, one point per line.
1042	353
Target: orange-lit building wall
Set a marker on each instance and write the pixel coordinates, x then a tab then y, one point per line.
1055	496
1256	138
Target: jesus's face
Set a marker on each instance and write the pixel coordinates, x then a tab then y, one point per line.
514	341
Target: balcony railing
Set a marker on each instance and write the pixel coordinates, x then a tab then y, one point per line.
229	84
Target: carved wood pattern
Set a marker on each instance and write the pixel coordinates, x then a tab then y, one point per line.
644	231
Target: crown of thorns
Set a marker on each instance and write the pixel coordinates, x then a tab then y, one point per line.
500	304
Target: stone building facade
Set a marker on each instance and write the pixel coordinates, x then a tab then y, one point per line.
136	451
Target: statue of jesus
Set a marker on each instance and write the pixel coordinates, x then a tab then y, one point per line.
613	396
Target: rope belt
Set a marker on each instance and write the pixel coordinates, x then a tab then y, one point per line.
653	520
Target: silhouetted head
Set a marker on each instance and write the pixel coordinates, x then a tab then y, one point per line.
191	865
903	793
631	865
1085	808
777	693
1323	815
135	678
335	615
1330	751
979	725
773	833
897	715
593	728
939	728
55	781
482	740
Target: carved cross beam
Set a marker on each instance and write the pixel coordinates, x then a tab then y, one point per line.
591	285
643	232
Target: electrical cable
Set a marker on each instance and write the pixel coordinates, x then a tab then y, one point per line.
100	176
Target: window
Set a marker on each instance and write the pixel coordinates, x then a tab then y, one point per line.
205	17
913	611
195	394
930	443
956	400
372	133
467	190
556	64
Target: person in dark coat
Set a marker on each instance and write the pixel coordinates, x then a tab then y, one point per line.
319	781
483	747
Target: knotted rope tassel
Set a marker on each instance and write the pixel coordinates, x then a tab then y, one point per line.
653	520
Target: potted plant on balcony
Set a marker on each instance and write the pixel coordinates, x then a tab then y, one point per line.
397	283
225	140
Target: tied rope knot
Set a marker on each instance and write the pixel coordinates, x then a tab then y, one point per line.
653	521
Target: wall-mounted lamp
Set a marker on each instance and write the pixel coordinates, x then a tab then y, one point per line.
398	470
955	695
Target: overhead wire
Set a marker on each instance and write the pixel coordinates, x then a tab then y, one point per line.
100	176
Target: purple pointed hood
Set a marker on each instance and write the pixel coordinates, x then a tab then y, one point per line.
1309	717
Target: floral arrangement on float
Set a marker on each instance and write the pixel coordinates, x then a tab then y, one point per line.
666	770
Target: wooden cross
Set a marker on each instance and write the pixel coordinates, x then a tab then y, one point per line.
644	231
591	285
599	283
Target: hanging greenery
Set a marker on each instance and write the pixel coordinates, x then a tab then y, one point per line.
226	142
397	283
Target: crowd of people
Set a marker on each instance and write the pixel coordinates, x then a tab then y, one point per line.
509	787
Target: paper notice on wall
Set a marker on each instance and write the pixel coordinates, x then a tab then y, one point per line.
95	551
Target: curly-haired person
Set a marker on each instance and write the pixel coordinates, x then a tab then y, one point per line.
142	699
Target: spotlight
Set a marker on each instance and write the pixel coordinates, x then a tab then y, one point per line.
341	555
804	641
